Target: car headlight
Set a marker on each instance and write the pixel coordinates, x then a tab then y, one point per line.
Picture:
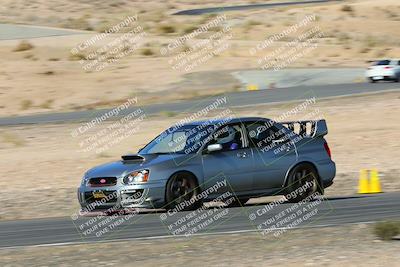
136	177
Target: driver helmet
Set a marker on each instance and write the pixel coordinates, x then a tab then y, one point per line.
227	136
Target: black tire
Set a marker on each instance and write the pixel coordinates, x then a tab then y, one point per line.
238	202
303	182
372	80
182	188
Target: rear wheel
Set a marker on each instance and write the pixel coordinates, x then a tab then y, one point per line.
303	183
371	80
182	191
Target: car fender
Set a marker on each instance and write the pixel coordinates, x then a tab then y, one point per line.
193	171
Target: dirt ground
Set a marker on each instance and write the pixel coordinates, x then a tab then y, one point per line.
42	165
46	77
353	245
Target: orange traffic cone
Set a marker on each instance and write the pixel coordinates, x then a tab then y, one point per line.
375	184
252	87
363	183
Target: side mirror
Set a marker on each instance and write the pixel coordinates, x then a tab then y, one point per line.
214	147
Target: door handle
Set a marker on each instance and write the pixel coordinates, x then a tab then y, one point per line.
241	154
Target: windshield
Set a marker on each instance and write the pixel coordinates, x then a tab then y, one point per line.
186	139
382	63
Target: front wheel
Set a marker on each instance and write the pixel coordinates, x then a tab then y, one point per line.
303	183
182	193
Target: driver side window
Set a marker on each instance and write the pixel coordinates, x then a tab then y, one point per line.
261	134
230	137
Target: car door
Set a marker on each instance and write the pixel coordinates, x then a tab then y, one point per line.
233	163
273	153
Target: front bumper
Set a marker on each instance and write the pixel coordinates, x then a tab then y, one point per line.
146	195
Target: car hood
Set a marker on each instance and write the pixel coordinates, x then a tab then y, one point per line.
131	163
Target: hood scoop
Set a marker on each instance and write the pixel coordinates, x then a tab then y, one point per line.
133	157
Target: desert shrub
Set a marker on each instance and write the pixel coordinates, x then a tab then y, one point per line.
23	46
26	104
147	52
189	29
48	72
347	8
77	57
254	22
343	37
205	18
81	23
29	56
167	29
365	50
117	3
12	138
380	53
168	113
387	230
371	41
47	104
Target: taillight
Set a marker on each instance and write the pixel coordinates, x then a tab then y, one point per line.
387	68
327	149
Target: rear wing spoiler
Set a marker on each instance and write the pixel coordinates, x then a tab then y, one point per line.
311	128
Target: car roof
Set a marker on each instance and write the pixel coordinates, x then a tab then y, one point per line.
227	120
386	59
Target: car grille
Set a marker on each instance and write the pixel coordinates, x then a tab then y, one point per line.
102	181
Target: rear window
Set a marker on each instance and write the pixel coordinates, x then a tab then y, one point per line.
382	62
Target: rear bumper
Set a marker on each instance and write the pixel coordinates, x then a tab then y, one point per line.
383	78
327	172
327	184
382	75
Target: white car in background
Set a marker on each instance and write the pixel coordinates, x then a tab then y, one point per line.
388	70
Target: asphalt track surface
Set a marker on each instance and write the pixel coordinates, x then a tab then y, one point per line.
201	11
330	212
15	32
240	99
